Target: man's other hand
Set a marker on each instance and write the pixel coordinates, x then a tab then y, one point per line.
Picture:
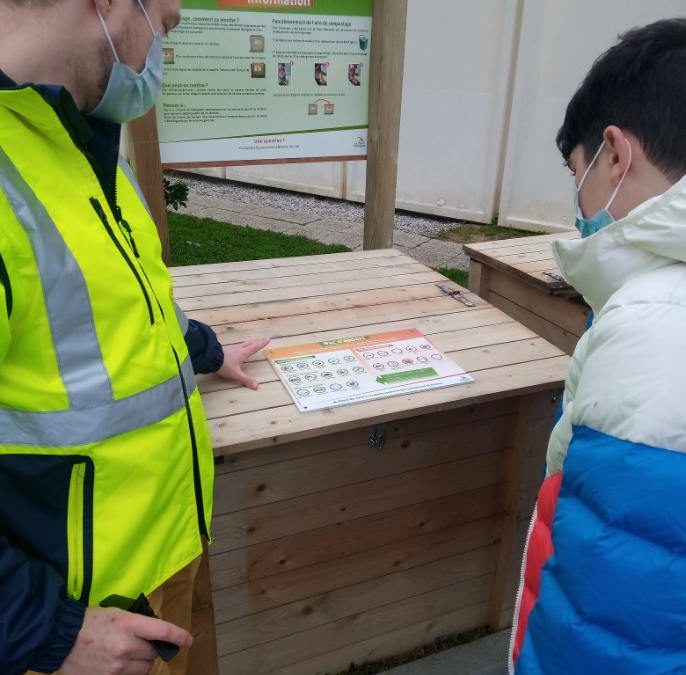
115	642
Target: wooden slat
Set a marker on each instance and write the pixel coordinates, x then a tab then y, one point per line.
228	300
273	521
390	644
269	263
335	605
360	436
467	330
232	274
303	306
536	256
286	424
340	319
488	256
238	400
567	314
305	281
286	480
359	627
530	439
353	537
309	583
560	337
520	241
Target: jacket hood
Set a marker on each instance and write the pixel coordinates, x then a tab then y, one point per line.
651	236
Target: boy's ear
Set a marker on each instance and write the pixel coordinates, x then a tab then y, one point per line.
103	6
619	152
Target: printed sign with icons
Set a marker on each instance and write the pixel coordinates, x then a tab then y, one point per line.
364	368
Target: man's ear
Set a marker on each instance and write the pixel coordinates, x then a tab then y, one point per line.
619	152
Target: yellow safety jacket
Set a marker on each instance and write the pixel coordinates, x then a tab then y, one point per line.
106	466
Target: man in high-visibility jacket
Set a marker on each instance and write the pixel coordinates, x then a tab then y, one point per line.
106	466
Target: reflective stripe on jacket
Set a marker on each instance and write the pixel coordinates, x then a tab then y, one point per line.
105	458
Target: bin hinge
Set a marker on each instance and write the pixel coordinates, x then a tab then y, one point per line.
456	294
553	276
377	438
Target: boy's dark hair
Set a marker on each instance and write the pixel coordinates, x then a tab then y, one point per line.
639	84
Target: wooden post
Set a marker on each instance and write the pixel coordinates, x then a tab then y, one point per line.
144	152
385	100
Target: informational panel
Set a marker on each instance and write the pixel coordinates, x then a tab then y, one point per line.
352	370
266	80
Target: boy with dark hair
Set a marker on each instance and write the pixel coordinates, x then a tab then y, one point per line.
603	581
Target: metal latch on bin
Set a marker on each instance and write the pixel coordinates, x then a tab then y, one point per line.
377	438
456	294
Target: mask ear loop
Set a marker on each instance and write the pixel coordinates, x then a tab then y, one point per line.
147	18
626	171
590	166
107	35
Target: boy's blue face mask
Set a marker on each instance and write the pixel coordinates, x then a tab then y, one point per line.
130	94
589	226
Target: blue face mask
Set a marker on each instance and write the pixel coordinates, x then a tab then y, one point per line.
589	226
130	94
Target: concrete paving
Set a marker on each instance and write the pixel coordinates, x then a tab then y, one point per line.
429	251
487	656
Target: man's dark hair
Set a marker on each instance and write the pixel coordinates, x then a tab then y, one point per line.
639	85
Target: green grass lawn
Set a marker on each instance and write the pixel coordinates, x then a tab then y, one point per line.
471	234
197	241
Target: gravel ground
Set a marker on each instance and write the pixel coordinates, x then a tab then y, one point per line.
323	207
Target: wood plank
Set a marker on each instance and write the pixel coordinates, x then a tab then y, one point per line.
565	340
352	537
511	247
304	306
231	274
358	627
360	436
237	400
517	258
309	584
381	647
529	442
478	278
523	241
308	614
568	314
286	424
270	263
469	330
285	480
273	521
528	272
348	319
544	265
303	280
228	300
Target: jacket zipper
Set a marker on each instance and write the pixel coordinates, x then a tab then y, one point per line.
97	207
196	462
199	502
75	533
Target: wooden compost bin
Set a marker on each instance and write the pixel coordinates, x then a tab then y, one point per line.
521	277
359	532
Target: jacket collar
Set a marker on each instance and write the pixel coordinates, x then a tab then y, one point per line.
651	236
